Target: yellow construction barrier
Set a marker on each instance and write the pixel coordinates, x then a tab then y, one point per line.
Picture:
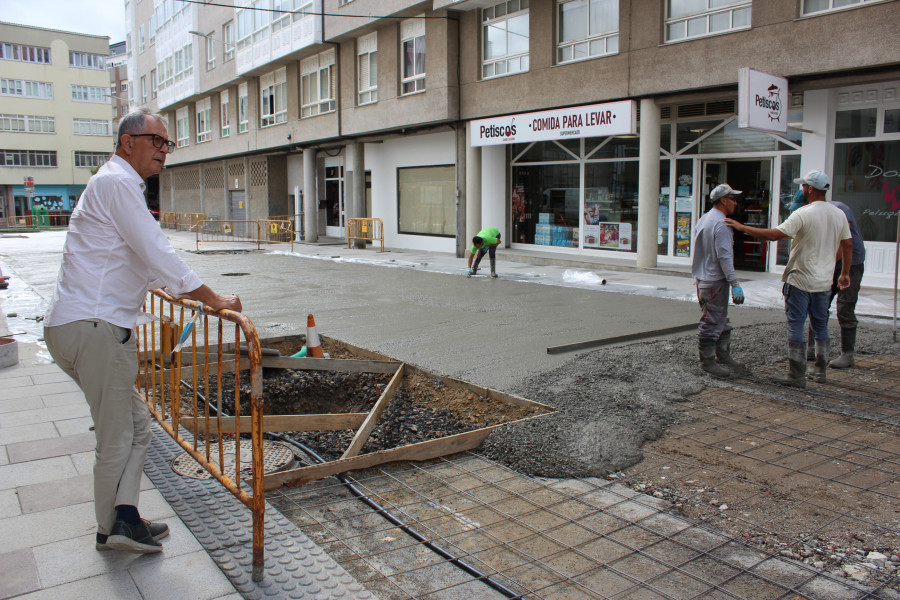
180	221
184	378
295	219
231	232
369	229
276	231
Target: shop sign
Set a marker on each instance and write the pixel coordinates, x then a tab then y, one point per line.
29	185
762	101
595	120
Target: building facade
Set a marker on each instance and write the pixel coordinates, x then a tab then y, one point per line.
55	125
580	127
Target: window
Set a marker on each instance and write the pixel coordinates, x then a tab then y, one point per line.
26	89
228	38
243	108
123	109
697	18
123	87
281	14
90	159
412	56
204	120
143	89
211	51
224	119
505	38
302	9
85	93
27	158
182	127
27	124
261	16
587	29
92	127
152	29
244	28
85	60
427	200
23	53
141	39
273	98
153	88
818	6
317	84
367	68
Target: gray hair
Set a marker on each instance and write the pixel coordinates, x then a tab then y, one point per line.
136	122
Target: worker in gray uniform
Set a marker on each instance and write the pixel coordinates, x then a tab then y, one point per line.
713	271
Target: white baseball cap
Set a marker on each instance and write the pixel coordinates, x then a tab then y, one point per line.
816	179
720	191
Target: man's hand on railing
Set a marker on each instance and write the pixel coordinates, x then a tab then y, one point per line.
216	301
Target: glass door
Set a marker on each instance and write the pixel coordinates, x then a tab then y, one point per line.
334	200
714	173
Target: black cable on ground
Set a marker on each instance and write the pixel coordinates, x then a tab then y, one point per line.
393	519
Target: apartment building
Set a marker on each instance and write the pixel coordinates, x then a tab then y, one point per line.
117	63
55	122
578	127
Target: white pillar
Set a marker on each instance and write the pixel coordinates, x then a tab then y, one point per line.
473	188
648	183
494	195
310	200
356	185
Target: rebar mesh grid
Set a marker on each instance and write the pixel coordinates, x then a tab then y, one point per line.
724	506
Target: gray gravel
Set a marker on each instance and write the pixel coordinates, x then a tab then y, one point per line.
611	400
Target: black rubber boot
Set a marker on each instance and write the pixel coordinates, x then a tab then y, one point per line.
847	358
796	376
810	345
723	356
823	349
707	351
493	265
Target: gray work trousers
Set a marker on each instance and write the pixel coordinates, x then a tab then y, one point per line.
101	358
713	297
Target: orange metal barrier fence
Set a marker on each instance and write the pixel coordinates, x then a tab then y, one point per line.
180	383
368	229
276	231
295	219
264	231
180	221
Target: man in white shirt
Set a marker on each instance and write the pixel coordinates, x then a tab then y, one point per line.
819	230
114	253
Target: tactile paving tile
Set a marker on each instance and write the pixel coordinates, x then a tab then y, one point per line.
295	567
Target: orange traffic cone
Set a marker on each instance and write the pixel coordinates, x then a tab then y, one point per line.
313	345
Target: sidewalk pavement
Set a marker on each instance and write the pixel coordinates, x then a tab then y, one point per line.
47	523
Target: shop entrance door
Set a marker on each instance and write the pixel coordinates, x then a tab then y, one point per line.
334	198
754	178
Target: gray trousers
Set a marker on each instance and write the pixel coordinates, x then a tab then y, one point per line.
713	297
104	366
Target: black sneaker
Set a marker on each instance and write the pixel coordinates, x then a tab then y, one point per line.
133	538
157	530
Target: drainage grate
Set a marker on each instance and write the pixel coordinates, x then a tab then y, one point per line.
276	457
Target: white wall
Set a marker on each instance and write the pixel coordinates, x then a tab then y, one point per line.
411	151
494	194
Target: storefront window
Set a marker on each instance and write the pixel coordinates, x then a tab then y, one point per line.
662	232
427	200
610	205
892	121
545	204
867	179
733	139
790	170
684	199
855	123
689	133
620	146
547	151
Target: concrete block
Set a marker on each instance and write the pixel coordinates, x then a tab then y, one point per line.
51	400
37	471
9	504
20	574
191	577
109	585
4	456
54	494
61	446
74	426
28	531
16	382
44	415
41	390
84	462
154	507
20	404
27	433
56	376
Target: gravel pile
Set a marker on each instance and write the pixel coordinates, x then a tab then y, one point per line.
611	400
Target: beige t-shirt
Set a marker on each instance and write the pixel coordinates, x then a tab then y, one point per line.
817	230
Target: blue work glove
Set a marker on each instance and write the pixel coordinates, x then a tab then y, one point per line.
737	294
470	272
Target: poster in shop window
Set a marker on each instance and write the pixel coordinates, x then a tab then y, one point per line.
682	234
612	236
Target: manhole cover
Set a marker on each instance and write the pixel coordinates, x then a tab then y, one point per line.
276	457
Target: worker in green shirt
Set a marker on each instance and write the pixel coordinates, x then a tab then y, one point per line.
486	241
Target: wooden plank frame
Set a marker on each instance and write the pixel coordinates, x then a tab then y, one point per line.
365	423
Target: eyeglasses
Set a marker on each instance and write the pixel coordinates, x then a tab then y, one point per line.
157	141
732	198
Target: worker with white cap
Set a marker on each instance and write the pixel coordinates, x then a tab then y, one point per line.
819	231
713	270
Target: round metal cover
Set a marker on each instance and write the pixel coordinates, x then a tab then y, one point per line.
276	457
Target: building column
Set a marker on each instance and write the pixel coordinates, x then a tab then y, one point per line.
355	185
473	188
310	200
648	183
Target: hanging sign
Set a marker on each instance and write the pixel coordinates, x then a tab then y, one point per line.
762	101
595	120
